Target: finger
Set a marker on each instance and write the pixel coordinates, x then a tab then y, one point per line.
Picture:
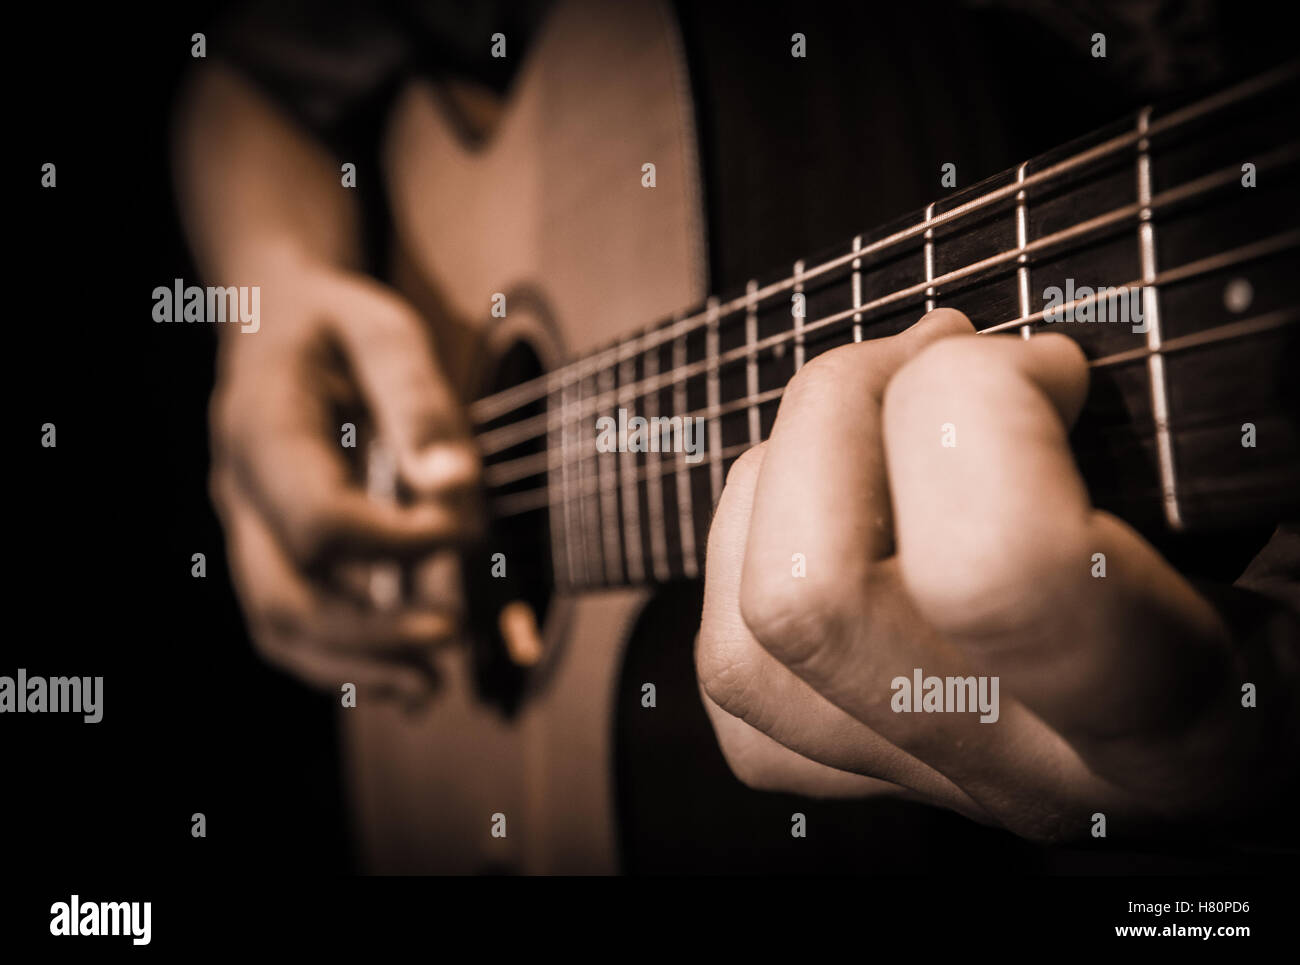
999	545
268	592
822	521
782	733
342	626
848	628
328	672
289	458
276	596
414	407
761	763
356	580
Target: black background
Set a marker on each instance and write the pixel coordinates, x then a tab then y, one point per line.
104	525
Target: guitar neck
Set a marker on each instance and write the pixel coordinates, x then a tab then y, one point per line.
1164	244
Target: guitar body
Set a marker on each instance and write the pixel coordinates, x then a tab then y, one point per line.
551	212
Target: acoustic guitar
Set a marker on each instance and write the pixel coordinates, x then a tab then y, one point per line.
1192	423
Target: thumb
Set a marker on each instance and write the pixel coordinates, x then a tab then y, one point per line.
415	409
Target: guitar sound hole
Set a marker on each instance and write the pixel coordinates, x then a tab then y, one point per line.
512	565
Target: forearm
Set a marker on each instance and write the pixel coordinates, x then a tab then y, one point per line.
253	186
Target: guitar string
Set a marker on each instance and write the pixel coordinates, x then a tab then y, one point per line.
507	437
525	501
1221	333
498	404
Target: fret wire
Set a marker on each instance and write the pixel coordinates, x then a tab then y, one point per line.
579	516
556	493
607	480
1022	238
490	407
799	317
573	525
632	549
1212	263
929	259
1151	315
588	509
713	399
480	414
1227	332
1173	196
857	290
655	492
685	507
751	361
1260	249
1202	266
591	487
1271	321
749	402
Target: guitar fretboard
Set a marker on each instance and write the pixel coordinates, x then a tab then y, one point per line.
1193	207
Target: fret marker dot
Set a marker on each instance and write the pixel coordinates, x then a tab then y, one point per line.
1238	295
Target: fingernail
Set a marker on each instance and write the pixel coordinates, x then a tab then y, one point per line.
442	466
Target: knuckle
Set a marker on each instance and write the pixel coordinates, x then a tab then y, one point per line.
740	743
391	305
745	469
723	673
794	619
823	373
953	320
391	319
726	685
